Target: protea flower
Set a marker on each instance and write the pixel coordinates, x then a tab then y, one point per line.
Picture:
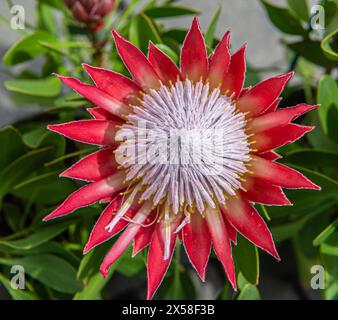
200	197
90	12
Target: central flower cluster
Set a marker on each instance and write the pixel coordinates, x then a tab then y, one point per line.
184	145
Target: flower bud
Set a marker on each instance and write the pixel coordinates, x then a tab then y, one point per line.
90	12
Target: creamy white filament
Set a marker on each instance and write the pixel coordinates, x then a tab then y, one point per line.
190	146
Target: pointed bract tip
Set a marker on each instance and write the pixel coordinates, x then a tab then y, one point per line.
116	34
53	127
86	66
150	294
277	257
233	284
288	75
315	187
242	48
86	249
151	45
287	202
227	35
49	217
315	106
60	76
202	276
274	253
64	174
104	272
195	21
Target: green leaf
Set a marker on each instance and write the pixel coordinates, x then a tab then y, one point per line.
332	120
39	237
61	49
95	285
304	238
317	138
247	259
142	30
89	273
48	87
329	45
311	158
224	293
52	191
176	34
130	266
285	231
327	96
168	51
88	266
181	286
300	8
307	205
209	35
41	137
39	179
50	270
312	51
249	292
252	75
326	233
27	48
53	3
21	168
50	247
11	142
283	19
12	214
331	11
46	20
168	11
81	152
329	254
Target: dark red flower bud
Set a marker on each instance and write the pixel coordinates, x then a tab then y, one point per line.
90	12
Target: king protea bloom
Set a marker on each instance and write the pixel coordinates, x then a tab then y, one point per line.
90	12
220	160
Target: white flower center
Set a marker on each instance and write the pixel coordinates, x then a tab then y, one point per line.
185	145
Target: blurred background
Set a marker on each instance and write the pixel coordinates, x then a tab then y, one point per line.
280	37
247	20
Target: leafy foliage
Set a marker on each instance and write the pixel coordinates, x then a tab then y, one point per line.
31	157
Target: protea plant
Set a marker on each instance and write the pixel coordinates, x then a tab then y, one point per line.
220	138
90	12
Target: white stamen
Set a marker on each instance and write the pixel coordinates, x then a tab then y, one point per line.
193	149
185	221
167	230
123	209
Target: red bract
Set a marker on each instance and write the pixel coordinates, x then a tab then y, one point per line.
203	204
90	12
